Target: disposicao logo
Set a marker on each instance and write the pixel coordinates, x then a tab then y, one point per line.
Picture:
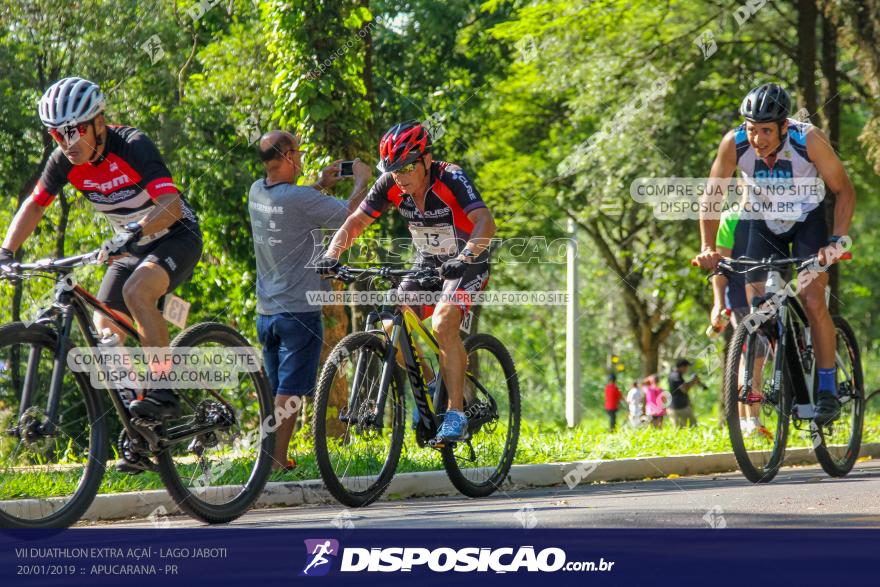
320	552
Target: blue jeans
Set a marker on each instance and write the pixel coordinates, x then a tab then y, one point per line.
291	350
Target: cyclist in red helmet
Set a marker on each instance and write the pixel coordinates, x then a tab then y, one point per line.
451	229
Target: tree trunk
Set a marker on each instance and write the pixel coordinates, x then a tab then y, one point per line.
23	195
806	79
62	224
649	350
858	26
832	115
335	329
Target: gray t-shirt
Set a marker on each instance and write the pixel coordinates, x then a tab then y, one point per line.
287	221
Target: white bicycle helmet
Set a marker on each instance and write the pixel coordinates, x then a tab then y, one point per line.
70	101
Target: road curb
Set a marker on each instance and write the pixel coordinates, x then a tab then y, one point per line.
158	503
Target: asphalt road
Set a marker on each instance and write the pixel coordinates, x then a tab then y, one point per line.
798	497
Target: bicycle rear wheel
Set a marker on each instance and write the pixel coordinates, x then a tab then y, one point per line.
46	481
479	466
357	452
759	446
216	476
838	443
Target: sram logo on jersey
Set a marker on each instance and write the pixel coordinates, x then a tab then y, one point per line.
106	186
441	560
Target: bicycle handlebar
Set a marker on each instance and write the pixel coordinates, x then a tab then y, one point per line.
728	264
348	274
49	265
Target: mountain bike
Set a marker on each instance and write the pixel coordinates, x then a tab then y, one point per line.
54	439
360	412
771	366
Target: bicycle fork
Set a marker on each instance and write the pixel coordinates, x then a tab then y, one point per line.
48	426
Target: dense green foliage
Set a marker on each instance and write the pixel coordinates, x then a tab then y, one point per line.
552	106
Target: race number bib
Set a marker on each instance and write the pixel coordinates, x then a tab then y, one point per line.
434	240
176	310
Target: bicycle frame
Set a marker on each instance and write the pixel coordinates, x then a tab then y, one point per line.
405	325
790	322
72	302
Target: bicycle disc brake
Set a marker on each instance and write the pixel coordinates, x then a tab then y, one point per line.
30	427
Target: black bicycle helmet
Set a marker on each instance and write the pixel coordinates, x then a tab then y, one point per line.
766	103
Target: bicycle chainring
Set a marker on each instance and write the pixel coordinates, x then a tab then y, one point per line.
132	454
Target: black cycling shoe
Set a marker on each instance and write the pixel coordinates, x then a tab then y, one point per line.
827	408
157	404
123	466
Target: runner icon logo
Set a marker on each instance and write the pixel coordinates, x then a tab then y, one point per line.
320	552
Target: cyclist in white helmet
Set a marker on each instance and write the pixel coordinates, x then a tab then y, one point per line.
120	171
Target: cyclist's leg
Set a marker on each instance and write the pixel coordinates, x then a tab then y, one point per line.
750	412
164	266
141	292
763	243
447	321
453	359
810	236
110	293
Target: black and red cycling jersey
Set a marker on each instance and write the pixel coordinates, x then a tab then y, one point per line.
444	228
123	183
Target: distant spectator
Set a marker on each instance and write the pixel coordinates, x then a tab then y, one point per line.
654	406
612	401
680	410
636	401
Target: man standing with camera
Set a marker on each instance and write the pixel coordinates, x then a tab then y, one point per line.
286	219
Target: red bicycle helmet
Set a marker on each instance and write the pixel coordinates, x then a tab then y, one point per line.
402	144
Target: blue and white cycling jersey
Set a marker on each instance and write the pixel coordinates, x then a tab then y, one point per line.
790	165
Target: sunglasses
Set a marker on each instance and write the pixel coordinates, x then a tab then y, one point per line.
408	168
273	154
69	132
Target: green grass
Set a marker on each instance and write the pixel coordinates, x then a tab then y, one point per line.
537	444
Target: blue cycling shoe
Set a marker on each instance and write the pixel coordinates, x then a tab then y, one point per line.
453	429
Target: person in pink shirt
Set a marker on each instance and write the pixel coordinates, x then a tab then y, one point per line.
655	407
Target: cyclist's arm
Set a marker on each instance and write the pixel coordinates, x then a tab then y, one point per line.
719	281
722	169
362	175
352	228
483	231
23	224
833	173
167	211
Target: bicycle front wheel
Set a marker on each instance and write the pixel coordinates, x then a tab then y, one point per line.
47	480
840	441
216	476
479	466
757	419
358	442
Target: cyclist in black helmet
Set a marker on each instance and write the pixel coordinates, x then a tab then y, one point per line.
769	148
